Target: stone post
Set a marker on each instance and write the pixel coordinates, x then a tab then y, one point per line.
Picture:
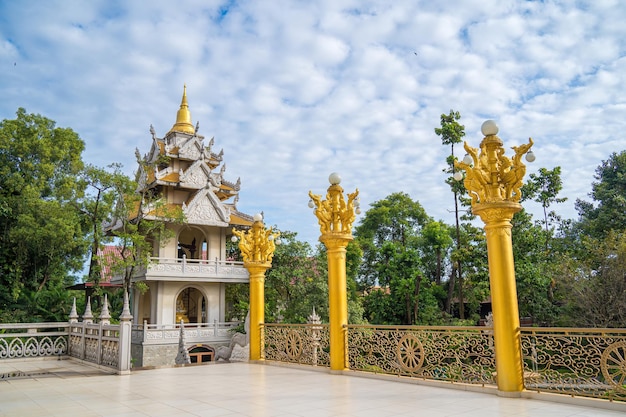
315	333
88	315
105	316
125	338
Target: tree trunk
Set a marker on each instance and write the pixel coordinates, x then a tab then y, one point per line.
451	290
418	283
458	247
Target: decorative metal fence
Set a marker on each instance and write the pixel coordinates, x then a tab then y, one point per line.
458	354
30	340
574	361
305	344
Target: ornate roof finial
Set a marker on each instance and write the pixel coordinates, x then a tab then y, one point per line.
183	117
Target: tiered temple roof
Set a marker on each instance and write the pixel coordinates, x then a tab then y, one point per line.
189	175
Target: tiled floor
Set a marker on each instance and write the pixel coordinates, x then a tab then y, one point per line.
242	389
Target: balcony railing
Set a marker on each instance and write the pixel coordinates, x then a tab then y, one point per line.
32	340
100	343
193	332
183	268
305	344
571	361
95	343
575	361
458	354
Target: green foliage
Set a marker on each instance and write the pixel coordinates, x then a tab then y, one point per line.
397	289
96	208
139	223
592	290
609	192
452	133
436	242
544	188
532	270
296	283
42	241
396	218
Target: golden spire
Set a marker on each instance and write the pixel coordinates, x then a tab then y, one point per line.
183	117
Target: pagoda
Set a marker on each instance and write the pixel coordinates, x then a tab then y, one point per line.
187	276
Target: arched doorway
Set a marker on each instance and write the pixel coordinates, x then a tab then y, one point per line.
201	353
192	243
191	306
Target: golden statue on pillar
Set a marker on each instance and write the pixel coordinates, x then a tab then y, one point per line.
491	176
494	183
257	247
335	216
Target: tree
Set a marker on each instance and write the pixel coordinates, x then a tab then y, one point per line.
544	188
389	235
140	222
296	283
452	132
396	218
592	290
609	192
436	241
534	266
42	242
96	208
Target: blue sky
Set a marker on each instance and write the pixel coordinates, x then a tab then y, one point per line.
294	90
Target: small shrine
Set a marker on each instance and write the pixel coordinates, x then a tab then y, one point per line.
188	275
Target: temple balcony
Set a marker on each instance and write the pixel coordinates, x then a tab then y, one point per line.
183	269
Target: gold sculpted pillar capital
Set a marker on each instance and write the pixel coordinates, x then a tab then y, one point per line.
335	215
491	176
257	245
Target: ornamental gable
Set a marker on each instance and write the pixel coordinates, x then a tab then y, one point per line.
196	176
192	149
206	209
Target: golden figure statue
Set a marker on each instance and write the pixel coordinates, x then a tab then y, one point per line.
335	214
258	243
492	176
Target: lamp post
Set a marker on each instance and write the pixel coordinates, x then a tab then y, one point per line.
493	182
335	216
257	248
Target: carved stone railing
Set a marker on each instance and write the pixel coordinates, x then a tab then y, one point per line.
196	268
457	354
305	344
575	361
193	332
33	340
95	343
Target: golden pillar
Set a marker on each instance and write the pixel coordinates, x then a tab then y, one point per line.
257	248
493	181
335	216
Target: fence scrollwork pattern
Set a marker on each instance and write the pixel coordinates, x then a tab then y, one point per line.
459	354
305	344
585	362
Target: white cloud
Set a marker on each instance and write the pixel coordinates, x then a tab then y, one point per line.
294	90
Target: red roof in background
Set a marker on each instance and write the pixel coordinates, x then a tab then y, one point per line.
106	256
